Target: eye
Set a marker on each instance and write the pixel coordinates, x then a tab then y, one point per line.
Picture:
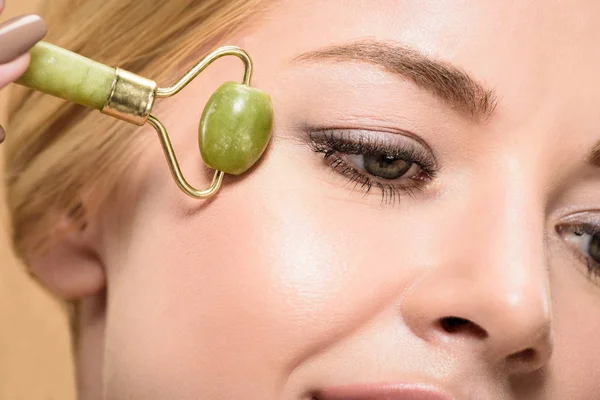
585	239
394	163
386	166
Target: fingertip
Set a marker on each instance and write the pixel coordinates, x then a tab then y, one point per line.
11	71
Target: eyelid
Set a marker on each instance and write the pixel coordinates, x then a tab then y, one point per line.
390	133
588	218
370	142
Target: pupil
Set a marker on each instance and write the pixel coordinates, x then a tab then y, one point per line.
386	161
386	166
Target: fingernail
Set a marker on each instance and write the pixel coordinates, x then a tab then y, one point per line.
20	34
2	131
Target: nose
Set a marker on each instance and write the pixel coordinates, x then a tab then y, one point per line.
489	292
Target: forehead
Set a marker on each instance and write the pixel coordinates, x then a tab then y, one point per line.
537	54
434	24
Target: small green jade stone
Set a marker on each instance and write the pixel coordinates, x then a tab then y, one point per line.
235	128
64	74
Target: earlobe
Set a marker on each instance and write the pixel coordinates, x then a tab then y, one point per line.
70	269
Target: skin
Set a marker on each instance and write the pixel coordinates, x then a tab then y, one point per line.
292	281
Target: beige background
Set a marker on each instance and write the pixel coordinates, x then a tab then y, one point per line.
34	344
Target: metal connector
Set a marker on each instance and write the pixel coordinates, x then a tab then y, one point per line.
131	98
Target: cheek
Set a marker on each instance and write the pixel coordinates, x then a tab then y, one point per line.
576	323
251	285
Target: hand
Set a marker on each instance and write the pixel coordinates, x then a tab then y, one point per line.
17	36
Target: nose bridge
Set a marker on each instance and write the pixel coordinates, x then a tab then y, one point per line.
507	257
508	221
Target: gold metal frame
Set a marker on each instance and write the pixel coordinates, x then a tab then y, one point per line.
176	88
205	62
132	99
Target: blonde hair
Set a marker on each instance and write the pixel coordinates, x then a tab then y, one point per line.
59	154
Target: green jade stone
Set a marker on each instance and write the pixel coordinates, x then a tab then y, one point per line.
69	76
235	128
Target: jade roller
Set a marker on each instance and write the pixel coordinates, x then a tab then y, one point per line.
235	126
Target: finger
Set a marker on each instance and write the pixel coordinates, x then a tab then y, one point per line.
13	70
10	72
20	34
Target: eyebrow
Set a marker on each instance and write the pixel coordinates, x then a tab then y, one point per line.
451	84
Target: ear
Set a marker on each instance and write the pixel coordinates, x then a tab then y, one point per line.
71	268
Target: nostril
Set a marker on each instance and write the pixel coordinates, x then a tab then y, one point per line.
460	325
525	356
453	324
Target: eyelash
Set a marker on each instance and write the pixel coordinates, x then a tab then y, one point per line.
333	142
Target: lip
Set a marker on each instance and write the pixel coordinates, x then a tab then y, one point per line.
388	391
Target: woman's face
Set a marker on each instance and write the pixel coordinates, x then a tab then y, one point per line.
425	214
